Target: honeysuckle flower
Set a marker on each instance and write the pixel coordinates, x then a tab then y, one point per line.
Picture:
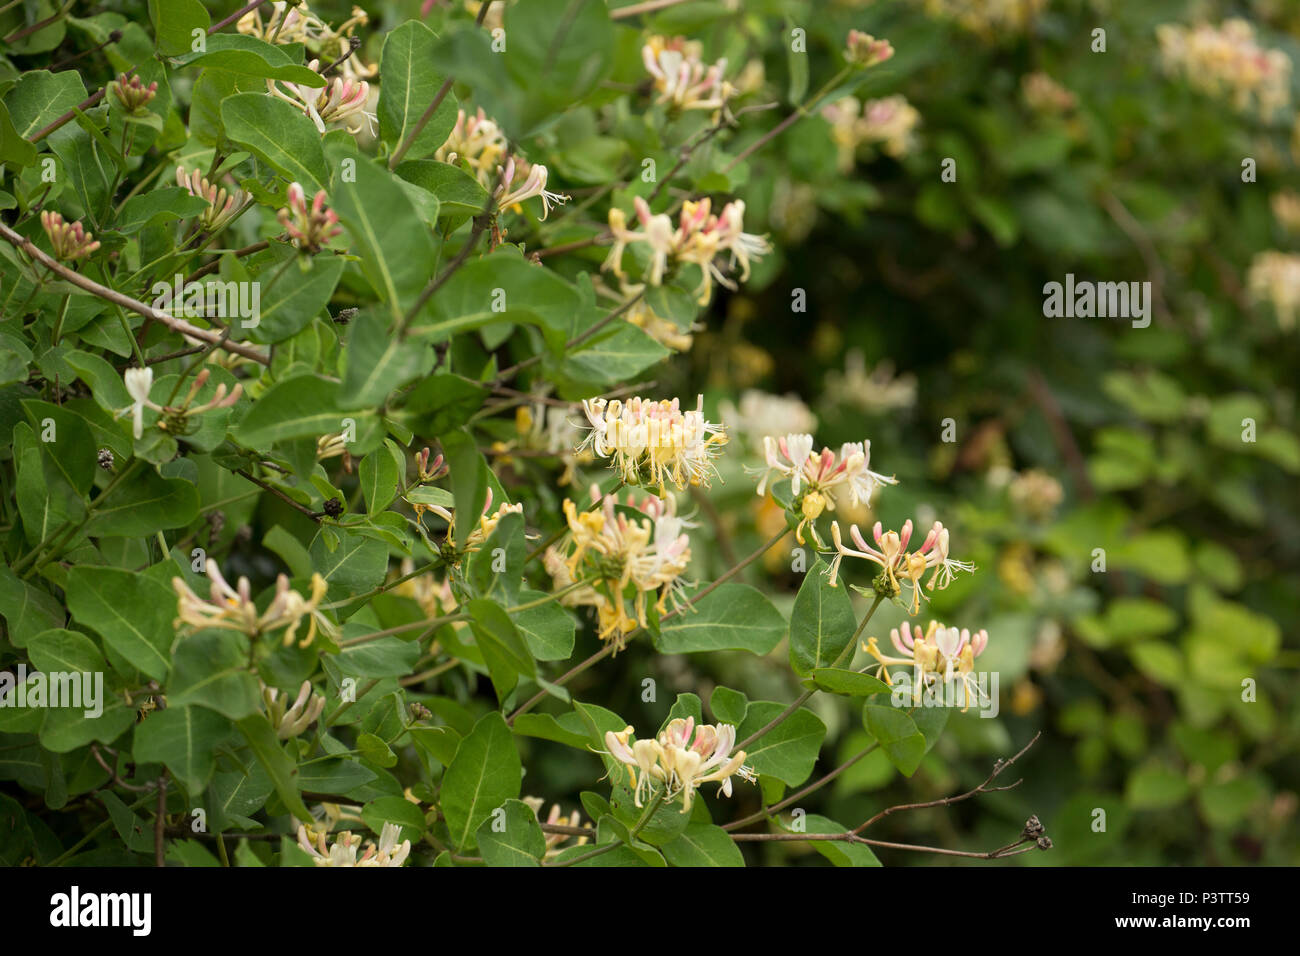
223	205
70	240
233	608
700	238
1274	278
487	522
897	562
622	559
427	470
941	654
297	24
433	594
817	480
1043	94
550	429
988	18
681	78
879	390
864	50
290	720
1036	493
680	760
534	185
342	99
760	414
478	142
555	818
1286	209
1226	62
654	442
309	227
131	94
139	382
888	123
343	852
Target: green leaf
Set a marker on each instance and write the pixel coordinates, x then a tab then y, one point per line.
839	680
898	735
380	474
397	253
459	194
249	56
839	853
483	775
728	706
469	480
210	669
357	564
62	650
703	844
379	362
174	22
1155	787
40	97
821	623
305	406
279	135
27	609
548	628
733	617
504	650
288	306
132	612
788	751
279	766
511	836
183	739
396	810
143	505
407	86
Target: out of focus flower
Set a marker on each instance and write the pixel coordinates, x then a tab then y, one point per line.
554	841
1286	210
223	205
942	654
1226	62
761	414
290	720
988	18
681	78
343	852
299	25
342	99
1043	94
700	238
889	123
131	94
1274	278
550	430
487	522
864	50
654	442
622	559
70	240
681	759
233	608
310	227
434	595
1036	493
900	568
877	391
477	141
817	480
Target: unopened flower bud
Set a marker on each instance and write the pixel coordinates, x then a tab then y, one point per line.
864	50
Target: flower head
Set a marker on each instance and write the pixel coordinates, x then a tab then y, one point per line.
534	185
310	227
223	205
344	850
940	654
290	720
232	608
899	567
70	240
681	759
681	78
131	94
864	50
341	99
654	442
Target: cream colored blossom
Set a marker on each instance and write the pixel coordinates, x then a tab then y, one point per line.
1043	94
654	442
899	566
223	205
874	392
989	18
342	99
680	760
761	414
889	124
1274	279
290	720
681	77
1226	62
344	850
233	608
555	841
941	655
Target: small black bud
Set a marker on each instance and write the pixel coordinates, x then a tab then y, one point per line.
333	507
106	459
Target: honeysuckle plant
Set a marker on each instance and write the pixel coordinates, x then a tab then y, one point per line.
404	401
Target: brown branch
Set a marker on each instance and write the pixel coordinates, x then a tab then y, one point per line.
265	486
1061	434
135	305
648	6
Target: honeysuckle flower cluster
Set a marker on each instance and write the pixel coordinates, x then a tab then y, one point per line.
334	445
700	238
290	720
344	850
139	383
889	123
640	313
1035	493
299	25
940	655
623	559
864	50
487	522
555	841
476	141
1226	62
309	227
550	430
223	205
681	77
509	195
1274	278
343	98
426	469
434	595
70	240
233	608
988	18
1286	209
681	759
654	442
899	567
819	480
131	94
880	390
761	414
1043	94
